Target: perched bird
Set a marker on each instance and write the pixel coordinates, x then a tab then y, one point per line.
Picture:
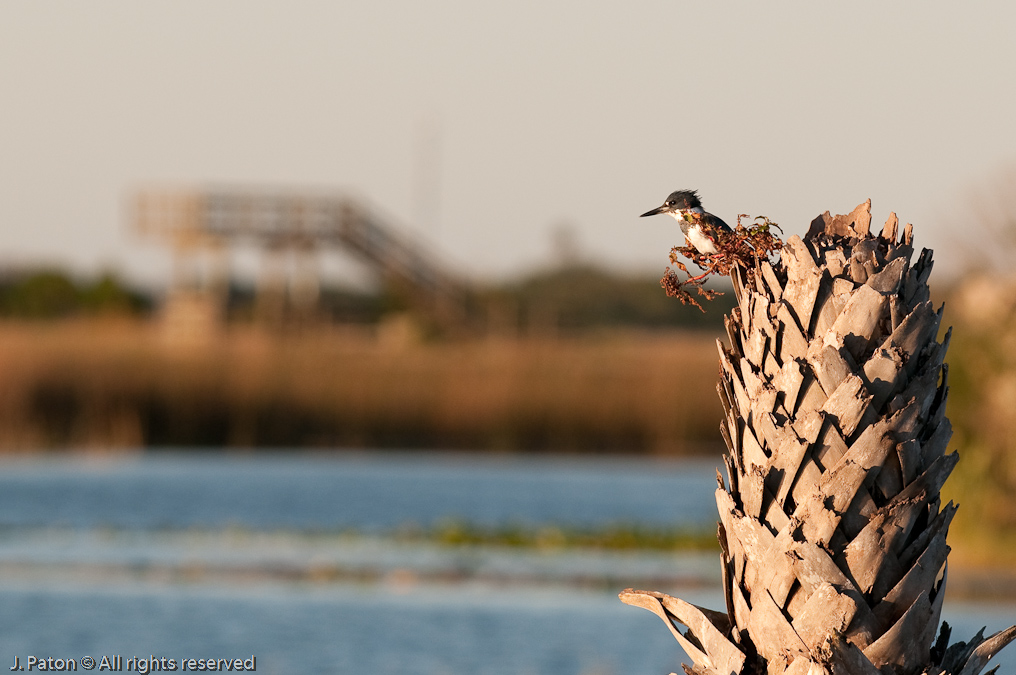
698	226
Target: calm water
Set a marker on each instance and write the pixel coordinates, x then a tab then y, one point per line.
366	492
213	557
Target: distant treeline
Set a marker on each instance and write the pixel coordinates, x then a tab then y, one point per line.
53	294
561	300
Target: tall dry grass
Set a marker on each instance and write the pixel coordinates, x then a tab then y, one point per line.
124	385
982	407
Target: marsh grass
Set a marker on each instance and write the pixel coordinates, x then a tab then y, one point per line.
617	537
111	385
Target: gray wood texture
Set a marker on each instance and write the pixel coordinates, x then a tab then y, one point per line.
833	386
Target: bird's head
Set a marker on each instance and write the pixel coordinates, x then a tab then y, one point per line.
678	203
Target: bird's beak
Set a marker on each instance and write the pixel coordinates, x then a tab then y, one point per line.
657	210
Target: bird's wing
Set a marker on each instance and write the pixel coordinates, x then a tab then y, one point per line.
714	223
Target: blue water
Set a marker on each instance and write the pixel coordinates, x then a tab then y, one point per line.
360	491
463	631
345	631
227	557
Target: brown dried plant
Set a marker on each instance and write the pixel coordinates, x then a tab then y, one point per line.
744	247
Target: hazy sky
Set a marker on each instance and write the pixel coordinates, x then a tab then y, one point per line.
539	114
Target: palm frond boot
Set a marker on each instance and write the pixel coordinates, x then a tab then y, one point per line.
832	529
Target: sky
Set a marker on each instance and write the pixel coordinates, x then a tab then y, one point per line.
483	128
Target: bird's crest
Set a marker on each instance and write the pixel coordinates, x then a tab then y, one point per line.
685	199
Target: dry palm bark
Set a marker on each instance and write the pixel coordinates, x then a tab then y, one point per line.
832	529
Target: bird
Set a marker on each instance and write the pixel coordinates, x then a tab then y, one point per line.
698	226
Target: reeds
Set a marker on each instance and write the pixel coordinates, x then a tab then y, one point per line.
123	385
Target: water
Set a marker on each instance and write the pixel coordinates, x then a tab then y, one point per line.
346	630
358	630
228	557
365	492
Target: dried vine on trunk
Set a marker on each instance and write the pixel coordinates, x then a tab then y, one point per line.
744	248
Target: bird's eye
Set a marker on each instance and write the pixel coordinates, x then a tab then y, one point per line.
671	202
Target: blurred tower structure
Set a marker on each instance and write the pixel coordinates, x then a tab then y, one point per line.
290	230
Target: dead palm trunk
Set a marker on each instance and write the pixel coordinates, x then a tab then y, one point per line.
832	529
